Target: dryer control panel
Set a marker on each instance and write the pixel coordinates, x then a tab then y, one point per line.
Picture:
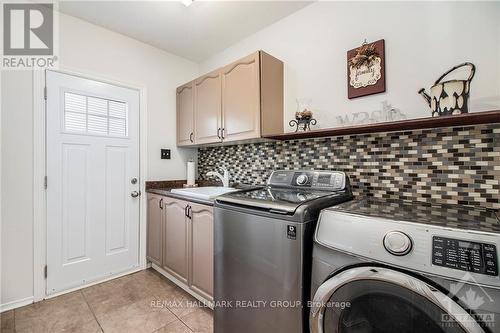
465	255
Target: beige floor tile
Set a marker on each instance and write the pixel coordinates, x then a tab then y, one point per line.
138	317
51	305
143	302
114	294
69	325
147	274
175	327
108	287
199	321
178	301
66	313
7	322
153	280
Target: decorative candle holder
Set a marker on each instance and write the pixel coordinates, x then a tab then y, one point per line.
303	121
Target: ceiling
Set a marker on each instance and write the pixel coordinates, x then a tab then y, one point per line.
195	32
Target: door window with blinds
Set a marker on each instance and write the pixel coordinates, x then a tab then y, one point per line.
95	116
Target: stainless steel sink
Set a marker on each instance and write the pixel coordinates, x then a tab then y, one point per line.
204	193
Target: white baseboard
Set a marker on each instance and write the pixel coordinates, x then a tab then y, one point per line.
16	304
29	300
181	285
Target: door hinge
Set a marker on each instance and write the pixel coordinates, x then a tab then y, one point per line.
45	182
45	93
45	271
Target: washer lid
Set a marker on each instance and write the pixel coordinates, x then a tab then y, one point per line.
286	200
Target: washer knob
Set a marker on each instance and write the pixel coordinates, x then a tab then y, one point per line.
302	179
397	243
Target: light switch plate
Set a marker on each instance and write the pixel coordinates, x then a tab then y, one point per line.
165	154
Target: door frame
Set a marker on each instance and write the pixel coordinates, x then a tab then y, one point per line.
40	169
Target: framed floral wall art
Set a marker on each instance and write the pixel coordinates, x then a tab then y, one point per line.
366	69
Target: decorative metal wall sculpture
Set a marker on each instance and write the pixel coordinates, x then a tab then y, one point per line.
386	113
450	97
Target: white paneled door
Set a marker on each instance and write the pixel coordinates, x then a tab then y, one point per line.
92	181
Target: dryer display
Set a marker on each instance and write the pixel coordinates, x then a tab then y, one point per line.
464	255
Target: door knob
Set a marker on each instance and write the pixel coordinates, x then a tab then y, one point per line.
135	194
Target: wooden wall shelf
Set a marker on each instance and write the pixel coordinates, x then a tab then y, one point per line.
474	118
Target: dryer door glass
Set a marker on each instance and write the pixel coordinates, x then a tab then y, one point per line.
379	300
381	307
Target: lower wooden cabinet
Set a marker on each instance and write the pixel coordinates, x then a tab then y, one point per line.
154	229
201	249
175	238
180	241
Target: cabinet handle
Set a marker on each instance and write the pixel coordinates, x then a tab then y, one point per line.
218	133
222	133
186	211
191	137
189	211
161	203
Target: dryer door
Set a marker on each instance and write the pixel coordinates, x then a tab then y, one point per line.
380	300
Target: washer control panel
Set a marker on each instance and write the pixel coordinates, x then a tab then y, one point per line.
465	255
302	179
315	180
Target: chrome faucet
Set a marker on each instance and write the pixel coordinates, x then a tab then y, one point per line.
224	178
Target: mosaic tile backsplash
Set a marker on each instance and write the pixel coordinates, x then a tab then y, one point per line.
454	165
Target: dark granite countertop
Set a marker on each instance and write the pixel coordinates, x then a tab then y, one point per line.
164	188
167	193
452	216
178	183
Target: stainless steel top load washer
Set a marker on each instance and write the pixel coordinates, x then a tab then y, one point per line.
382	266
263	249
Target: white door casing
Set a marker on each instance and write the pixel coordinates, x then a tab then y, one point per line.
92	156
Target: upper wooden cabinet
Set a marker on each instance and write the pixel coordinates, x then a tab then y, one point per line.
207	101
240	101
185	114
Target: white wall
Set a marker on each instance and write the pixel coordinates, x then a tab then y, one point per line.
88	49
422	41
17	187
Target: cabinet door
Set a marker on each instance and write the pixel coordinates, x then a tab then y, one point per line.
202	249
241	99
154	228
185	114
208	108
175	235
